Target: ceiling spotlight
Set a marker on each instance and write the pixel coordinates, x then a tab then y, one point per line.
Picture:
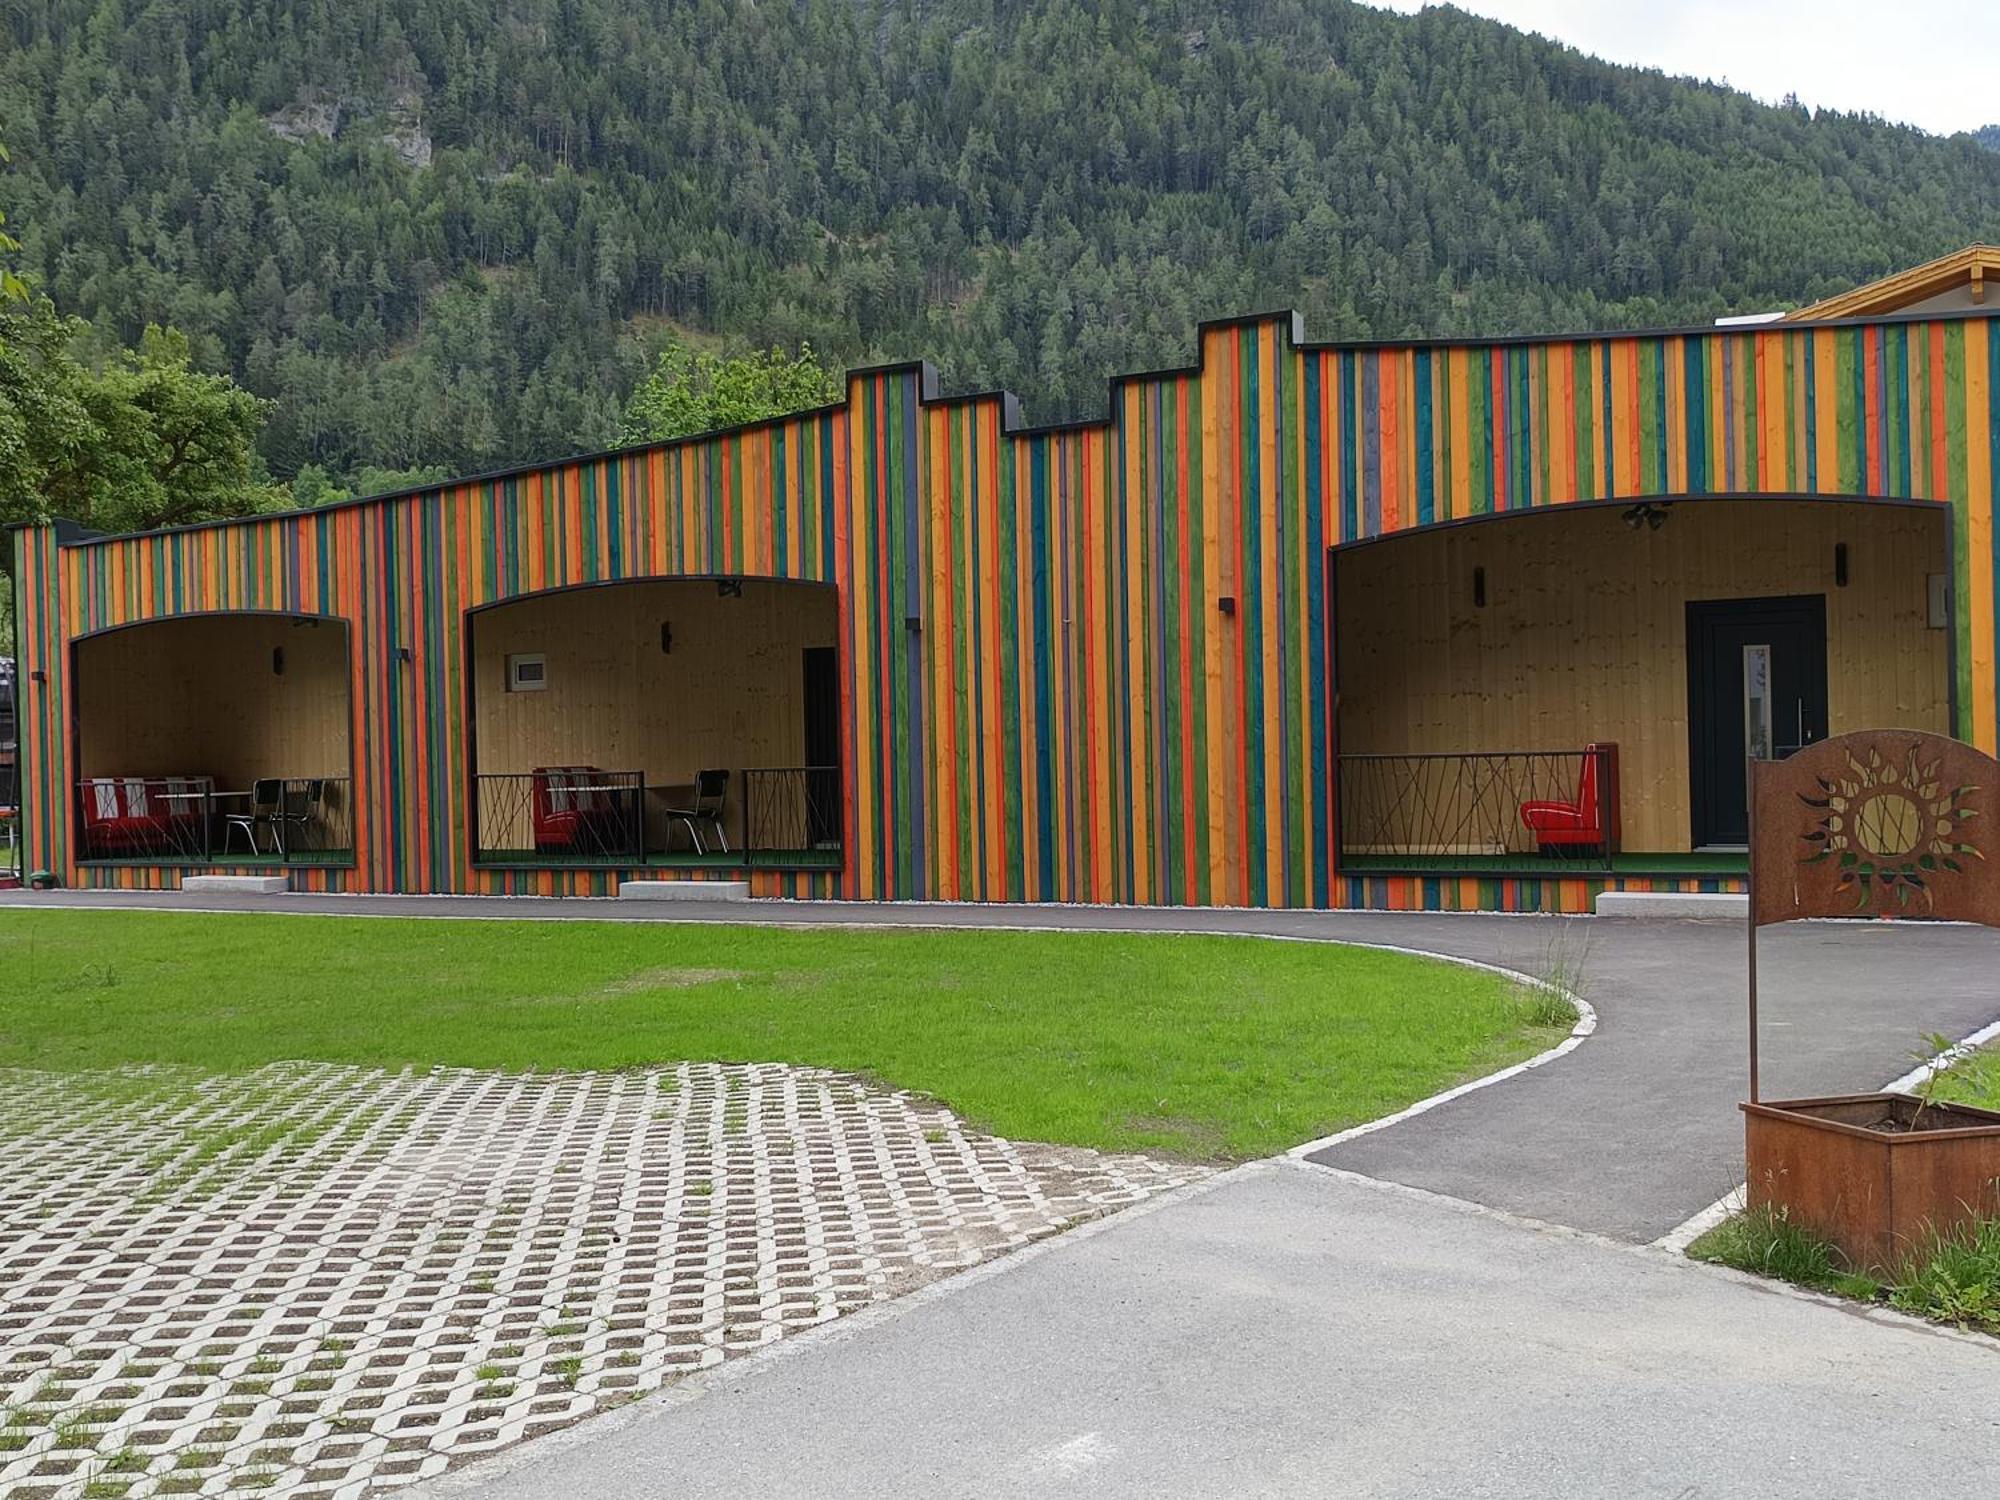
1646	514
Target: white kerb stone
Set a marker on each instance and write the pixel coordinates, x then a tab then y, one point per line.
240	885
1672	904
684	890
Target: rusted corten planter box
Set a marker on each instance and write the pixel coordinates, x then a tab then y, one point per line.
1853	1169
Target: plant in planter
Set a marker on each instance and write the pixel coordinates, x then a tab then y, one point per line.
1883	823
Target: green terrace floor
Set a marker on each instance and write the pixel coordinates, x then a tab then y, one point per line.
1705	864
673	859
677	859
1723	864
334	857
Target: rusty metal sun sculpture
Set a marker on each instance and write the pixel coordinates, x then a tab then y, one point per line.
1890	824
1835	829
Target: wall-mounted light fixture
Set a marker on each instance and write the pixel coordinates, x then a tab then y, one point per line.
1227	604
729	588
405	655
1840	565
1479	588
914	624
1647	514
666	639
38	675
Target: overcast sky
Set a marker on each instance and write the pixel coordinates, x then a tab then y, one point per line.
1932	63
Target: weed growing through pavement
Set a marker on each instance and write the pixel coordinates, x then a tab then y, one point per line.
1562	974
1770	1242
1954	1278
1948	1278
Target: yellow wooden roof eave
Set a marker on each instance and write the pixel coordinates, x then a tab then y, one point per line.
1977	264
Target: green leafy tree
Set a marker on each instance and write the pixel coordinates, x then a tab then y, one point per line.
182	443
12	287
313	485
13	431
370	480
688	392
48	430
145	440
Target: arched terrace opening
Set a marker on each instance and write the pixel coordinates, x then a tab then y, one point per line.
671	721
215	738
1574	691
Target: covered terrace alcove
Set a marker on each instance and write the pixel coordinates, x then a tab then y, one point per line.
676	721
215	738
1574	690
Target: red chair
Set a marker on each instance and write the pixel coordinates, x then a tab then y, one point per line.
135	815
1590	823
575	812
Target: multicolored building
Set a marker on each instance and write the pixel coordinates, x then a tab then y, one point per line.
1456	624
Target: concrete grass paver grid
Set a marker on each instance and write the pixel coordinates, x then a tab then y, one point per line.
312	1280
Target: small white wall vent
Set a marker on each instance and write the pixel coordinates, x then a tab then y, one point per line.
527	672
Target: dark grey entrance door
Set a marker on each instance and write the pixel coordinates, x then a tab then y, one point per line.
822	716
1756	686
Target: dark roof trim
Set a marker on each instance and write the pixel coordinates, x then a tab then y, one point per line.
1627	502
1011	425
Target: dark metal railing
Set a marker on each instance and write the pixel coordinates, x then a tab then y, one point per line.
1483	811
792	810
560	813
312	820
190	820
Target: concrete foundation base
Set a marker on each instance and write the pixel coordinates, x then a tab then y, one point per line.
684	890
1672	904
241	885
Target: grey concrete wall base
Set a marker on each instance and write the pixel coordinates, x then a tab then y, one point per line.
684	890
241	885
1672	904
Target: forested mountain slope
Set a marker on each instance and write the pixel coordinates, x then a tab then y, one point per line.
444	231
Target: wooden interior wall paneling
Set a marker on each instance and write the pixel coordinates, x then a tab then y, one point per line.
197	696
1583	636
729	694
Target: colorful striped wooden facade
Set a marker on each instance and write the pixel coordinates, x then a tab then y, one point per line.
1088	663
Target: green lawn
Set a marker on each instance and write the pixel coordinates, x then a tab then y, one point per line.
1973	1079
1205	1046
